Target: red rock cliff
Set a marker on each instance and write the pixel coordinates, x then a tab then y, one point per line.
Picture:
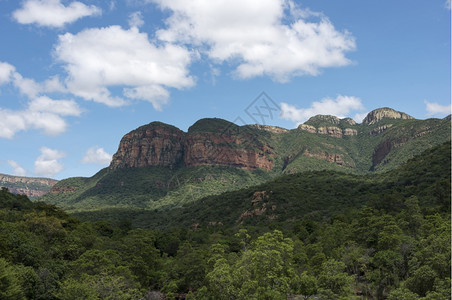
225	150
155	144
208	142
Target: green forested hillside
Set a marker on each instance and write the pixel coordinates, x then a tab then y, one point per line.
375	148
316	194
339	236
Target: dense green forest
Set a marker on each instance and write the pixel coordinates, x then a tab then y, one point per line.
330	236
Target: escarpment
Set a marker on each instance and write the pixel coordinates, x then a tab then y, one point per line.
217	142
207	142
155	144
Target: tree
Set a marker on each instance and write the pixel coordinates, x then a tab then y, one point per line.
422	280
72	289
333	278
262	271
307	285
9	284
402	294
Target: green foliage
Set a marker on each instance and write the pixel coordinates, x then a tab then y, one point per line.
264	271
9	283
323	235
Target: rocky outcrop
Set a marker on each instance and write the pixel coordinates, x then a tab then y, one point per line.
331	131
350	132
331	157
259	205
349	121
384	148
379	129
208	142
155	144
29	186
62	189
27	180
226	150
273	129
307	128
379	114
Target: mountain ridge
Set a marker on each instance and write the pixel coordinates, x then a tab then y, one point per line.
32	187
158	165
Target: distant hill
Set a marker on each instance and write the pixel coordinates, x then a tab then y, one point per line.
159	166
29	186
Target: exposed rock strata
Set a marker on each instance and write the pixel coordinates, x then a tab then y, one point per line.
226	150
29	186
329	130
331	157
381	113
155	144
350	132
158	144
380	129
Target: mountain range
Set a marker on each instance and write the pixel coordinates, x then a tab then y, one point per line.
32	187
159	166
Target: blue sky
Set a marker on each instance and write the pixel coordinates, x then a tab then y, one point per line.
75	76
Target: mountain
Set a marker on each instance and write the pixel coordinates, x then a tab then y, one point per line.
160	166
312	195
29	186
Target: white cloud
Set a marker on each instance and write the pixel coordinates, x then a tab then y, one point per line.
52	13
96	155
17	169
434	108
48	164
6	72
273	38
136	19
58	107
53	84
42	113
340	107
28	86
99	58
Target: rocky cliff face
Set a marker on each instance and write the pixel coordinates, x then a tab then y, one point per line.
210	142
225	150
221	143
381	113
29	186
155	144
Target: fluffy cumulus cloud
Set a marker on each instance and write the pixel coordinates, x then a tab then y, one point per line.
97	59
28	86
48	163
96	155
52	13
18	170
434	109
340	107
273	38
6	72
42	113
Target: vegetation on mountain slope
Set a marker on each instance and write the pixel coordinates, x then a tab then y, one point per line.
392	243
376	147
